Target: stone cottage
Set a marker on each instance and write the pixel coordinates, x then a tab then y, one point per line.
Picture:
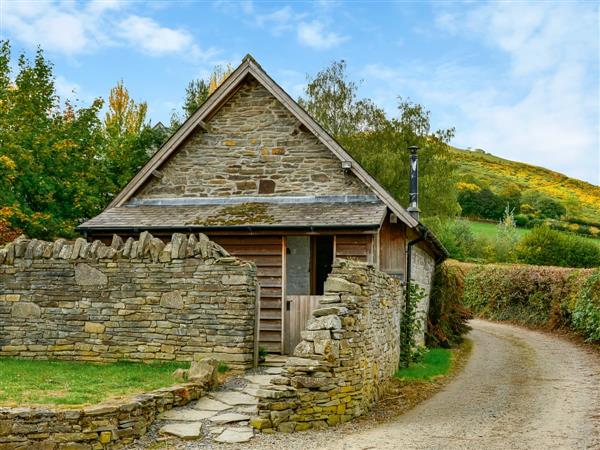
254	172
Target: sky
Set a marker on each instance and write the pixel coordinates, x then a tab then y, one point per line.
517	79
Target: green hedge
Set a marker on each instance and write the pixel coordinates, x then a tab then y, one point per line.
447	318
538	296
545	246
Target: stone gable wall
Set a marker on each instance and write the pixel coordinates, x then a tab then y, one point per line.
253	142
350	349
138	300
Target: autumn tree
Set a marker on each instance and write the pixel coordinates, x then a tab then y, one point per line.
130	140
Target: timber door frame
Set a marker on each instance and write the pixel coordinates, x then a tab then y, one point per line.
283	291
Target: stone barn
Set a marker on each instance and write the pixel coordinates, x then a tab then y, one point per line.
254	172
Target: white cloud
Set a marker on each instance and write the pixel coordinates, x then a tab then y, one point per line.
277	21
74	28
314	34
149	36
539	104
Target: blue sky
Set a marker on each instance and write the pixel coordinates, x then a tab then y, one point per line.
518	79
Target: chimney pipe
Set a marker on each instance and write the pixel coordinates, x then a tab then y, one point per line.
413	192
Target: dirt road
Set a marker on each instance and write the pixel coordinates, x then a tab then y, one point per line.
520	390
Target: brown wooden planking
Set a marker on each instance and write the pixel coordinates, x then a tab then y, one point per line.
353	246
301	308
265	252
392	243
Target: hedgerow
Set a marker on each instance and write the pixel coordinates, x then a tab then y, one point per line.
447	318
537	296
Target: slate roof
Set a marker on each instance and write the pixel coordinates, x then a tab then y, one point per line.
293	215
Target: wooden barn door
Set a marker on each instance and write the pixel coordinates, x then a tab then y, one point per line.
266	252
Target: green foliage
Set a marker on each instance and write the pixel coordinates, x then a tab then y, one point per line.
456	236
548	297
262	352
447	317
435	362
482	203
409	325
577	200
506	238
380	144
586	311
544	246
59	162
24	382
223	367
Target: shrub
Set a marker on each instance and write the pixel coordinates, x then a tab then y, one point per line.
546	297
543	246
586	311
447	317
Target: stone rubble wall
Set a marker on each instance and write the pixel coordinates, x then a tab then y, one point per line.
106	426
423	268
139	300
350	349
254	146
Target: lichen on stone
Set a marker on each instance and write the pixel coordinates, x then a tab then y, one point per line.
241	214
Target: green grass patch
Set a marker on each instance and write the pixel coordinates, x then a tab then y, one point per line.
490	230
66	383
435	362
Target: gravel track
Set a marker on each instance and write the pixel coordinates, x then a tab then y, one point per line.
520	390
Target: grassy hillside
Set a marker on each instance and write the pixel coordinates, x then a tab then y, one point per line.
581	199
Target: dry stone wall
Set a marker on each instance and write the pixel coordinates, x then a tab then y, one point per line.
350	349
138	300
106	426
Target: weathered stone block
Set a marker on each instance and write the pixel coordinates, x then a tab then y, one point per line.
91	327
172	300
86	275
26	310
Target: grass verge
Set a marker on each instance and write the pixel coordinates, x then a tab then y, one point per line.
420	382
435	362
70	384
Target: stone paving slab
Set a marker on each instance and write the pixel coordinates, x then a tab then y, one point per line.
274	370
235	435
186	415
186	431
209	404
222	419
234	398
260	379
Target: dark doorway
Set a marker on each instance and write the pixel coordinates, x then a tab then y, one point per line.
322	260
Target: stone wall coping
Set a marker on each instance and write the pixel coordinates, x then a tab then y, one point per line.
146	247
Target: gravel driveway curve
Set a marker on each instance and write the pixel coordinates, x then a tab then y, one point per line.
520	390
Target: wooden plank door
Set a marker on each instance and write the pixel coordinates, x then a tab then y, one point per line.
298	311
266	253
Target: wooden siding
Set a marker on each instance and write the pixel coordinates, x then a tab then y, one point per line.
357	247
265	252
296	317
392	247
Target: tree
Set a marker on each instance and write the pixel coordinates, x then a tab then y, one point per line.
196	93
50	154
331	98
198	90
381	144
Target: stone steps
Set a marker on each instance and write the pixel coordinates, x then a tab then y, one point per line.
223	415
